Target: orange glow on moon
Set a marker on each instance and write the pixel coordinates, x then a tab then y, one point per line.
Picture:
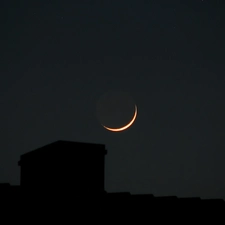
124	127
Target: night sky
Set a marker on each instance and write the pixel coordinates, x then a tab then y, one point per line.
59	57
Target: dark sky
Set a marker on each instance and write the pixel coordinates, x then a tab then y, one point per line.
59	57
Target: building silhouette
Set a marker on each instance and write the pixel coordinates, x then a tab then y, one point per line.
74	166
65	171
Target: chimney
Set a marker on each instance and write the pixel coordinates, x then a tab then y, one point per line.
64	167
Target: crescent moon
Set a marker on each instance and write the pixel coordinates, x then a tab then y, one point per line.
124	127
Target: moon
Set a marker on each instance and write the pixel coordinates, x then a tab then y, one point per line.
124	127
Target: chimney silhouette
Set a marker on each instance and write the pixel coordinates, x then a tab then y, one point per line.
64	166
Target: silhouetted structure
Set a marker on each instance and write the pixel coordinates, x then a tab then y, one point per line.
64	165
57	172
